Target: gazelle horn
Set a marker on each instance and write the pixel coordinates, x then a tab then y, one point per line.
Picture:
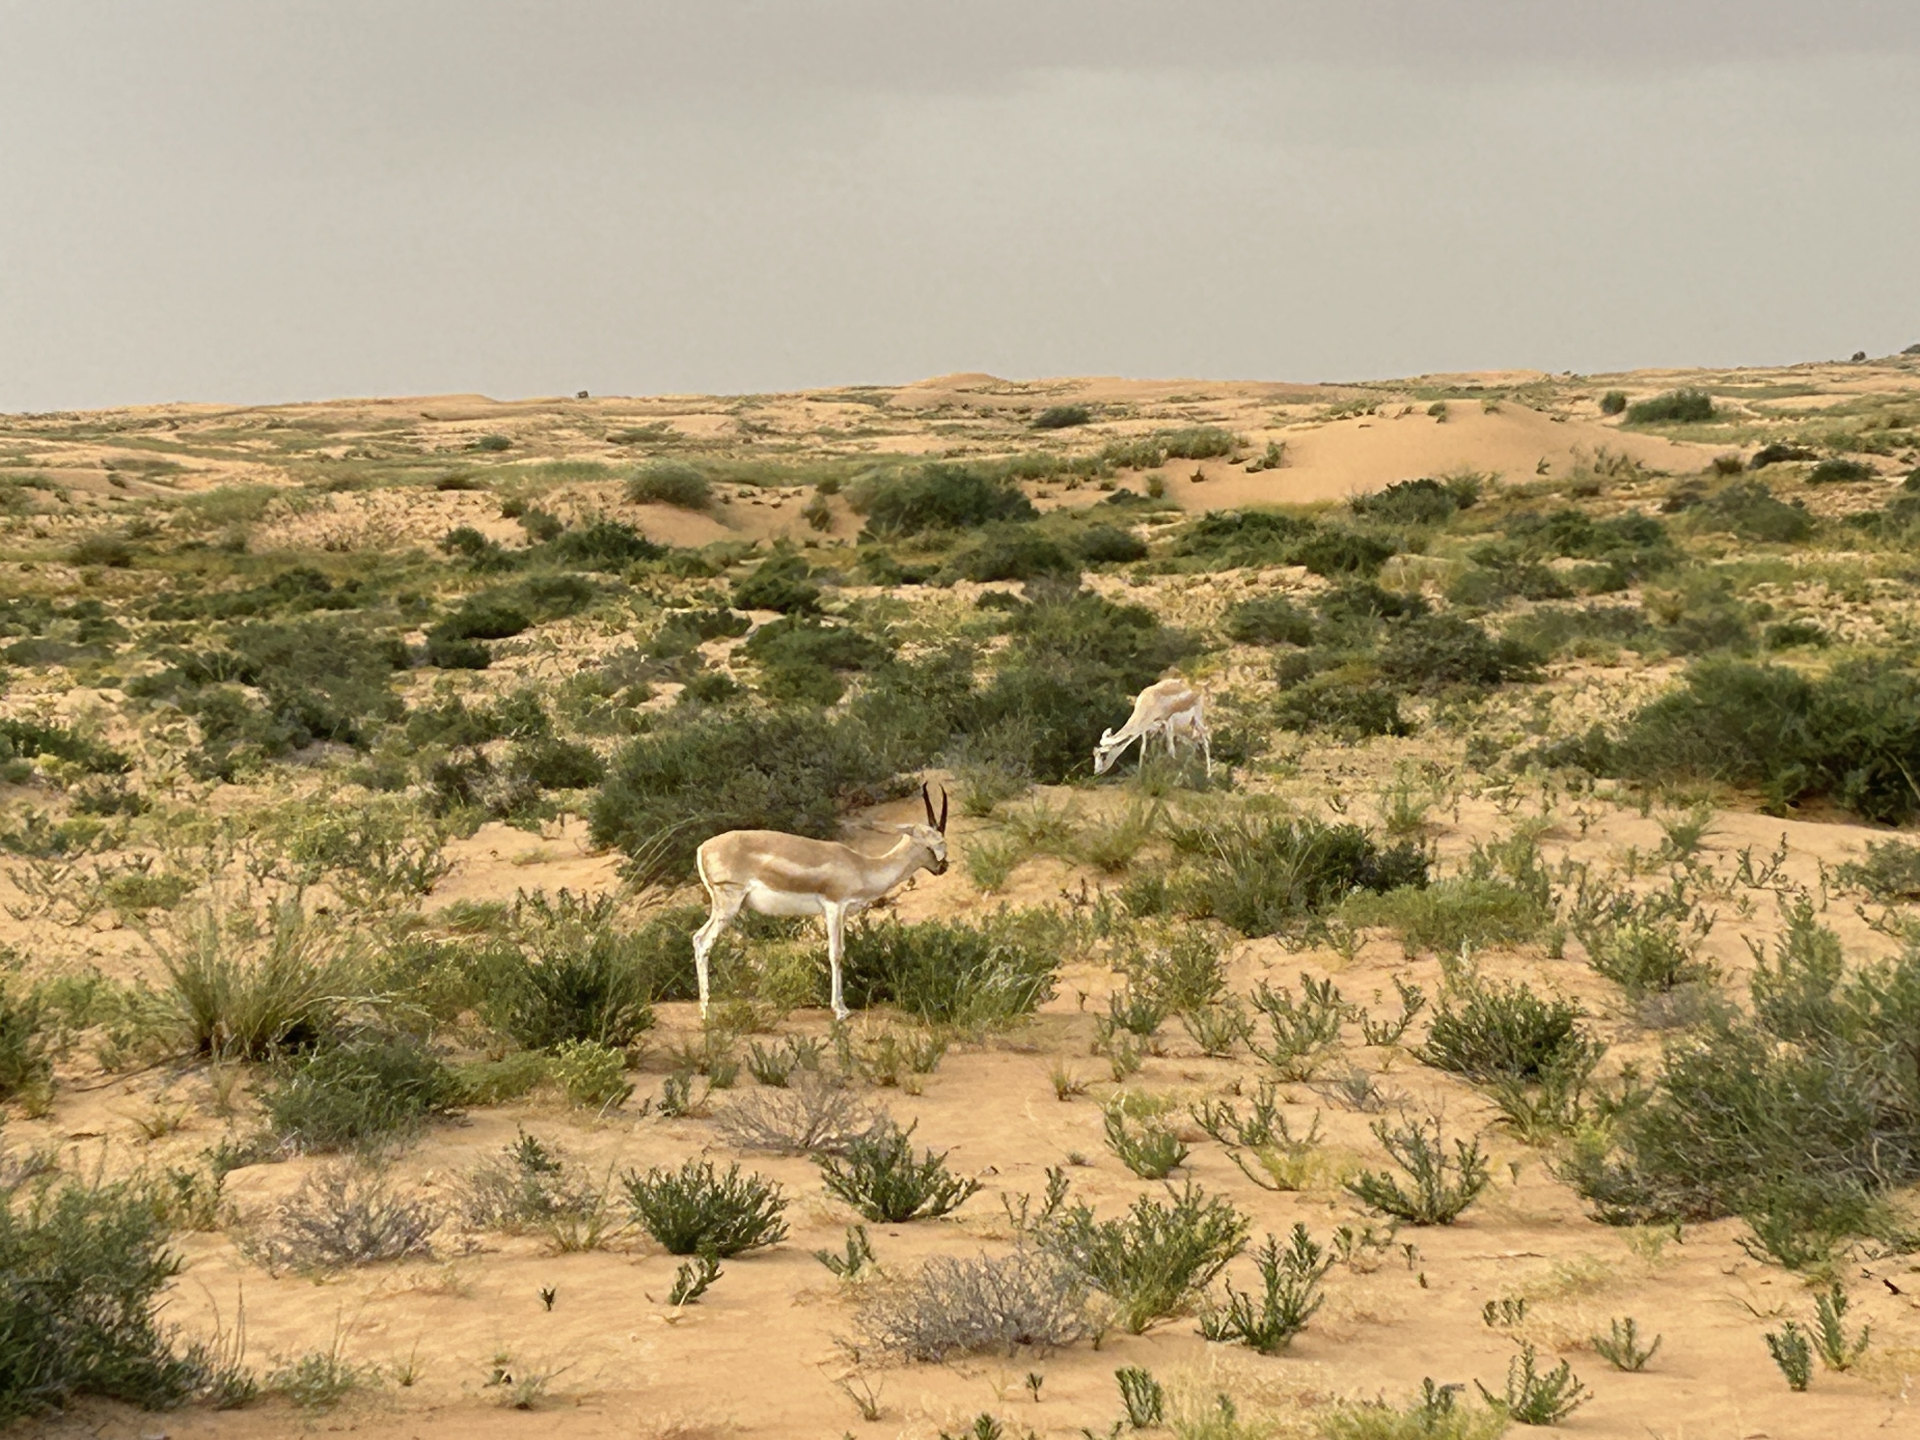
942	826
927	800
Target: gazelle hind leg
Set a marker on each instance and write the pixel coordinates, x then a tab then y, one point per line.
726	907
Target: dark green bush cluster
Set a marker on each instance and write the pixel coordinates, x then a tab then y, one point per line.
82	1268
1266	876
1851	736
1840	470
1418	502
1270	620
1674	407
878	1176
1011	552
671	482
1149	452
696	1211
937	496
803	659
571	973
1489	1031
1154	1259
1799	1116
1552	629
1232	539
951	974
29	739
1062	417
783	581
361	1090
1779	452
1749	509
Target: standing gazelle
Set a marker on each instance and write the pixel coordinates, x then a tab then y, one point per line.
780	874
1166	708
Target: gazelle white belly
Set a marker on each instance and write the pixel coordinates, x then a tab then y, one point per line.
764	899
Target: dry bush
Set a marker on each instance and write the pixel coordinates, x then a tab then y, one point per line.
342	1215
985	1304
815	1113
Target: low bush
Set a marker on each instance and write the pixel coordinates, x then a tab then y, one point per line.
694	1211
783	581
1675	407
1489	1031
1151	1151
1534	1398
1417	502
987	1304
1441	652
25	1065
1266	876
29	739
812	1113
946	973
1269	620
1062	417
1798	1117
605	545
569	979
670	482
1153	1260
1442	1185
1435	1414
526	1187
1290	1295
1105	545
82	1270
1349	702
1840	470
877	1175
937	496
1779	452
1452	913
1613	402
240	989
342	1215
1149	452
1010	552
1889	871
361	1091
1750	509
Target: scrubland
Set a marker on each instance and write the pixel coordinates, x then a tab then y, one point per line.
1518	1027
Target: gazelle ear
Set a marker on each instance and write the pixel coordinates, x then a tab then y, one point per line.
1106	736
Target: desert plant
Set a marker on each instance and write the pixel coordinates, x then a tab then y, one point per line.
1889	871
1486	1031
1836	1349
981	1305
693	1210
1216	1029
342	1215
1792	1353
1266	877
670	482
937	497
1621	1347
880	1178
527	1187
573	977
691	1280
593	1075
1299	1032
814	1114
1142	1397
84	1267
1840	470
952	974
1613	402
1435	1414
1062	417
854	1259
363	1090
1152	1260
1443	1185
1290	1280
1674	407
1534	1398
778	1065
1151	1152
245	990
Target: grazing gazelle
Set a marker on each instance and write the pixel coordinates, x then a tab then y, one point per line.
1167	708
780	874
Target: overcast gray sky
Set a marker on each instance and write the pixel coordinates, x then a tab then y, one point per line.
250	200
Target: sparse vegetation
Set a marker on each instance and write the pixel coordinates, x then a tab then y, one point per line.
694	1210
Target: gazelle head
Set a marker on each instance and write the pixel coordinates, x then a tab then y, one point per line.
1105	753
932	836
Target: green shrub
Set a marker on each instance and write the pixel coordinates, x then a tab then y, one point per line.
1011	552
670	482
1149	452
357	1092
694	1211
1235	539
946	973
29	739
1778	453
780	582
937	496
605	545
484	617
1613	402
554	764
1343	552
1550	629
1265	876
1455	912
1443	1185
1749	509
1889	871
241	990
1839	470
493	443
1349	702
25	1065
571	982
1675	407
1488	1031
1154	1259
1435	1414
82	1268
1290	1294
1062	417
1797	1117
112	551
1152	1151
1415	502
1533	1398
1105	545
878	1176
1269	620
1438	652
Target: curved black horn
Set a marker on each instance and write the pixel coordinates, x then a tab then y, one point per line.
927	800
942	826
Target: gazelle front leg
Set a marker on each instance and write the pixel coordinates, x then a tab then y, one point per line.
836	919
